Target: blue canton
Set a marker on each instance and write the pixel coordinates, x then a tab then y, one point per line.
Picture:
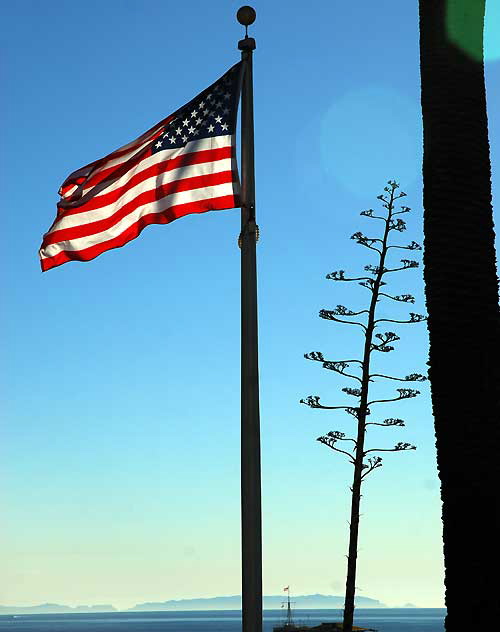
211	113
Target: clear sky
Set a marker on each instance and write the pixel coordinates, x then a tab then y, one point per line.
120	432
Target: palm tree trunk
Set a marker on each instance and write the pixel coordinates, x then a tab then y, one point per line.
462	301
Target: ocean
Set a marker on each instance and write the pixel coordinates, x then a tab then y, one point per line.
383	620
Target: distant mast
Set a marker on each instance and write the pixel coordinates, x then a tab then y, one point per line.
289	626
289	620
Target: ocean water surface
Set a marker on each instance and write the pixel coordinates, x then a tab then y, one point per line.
383	620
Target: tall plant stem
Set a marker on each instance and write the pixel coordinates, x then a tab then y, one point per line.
350	589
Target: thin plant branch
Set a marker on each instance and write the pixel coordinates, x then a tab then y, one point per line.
413	377
381	342
330	444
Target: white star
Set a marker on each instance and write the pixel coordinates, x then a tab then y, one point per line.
205	112
212	113
179	130
184	138
227	95
209	95
194	113
202	104
196	131
224	126
158	144
173	139
218	119
185	122
198	121
191	129
211	128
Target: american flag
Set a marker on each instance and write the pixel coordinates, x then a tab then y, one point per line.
184	164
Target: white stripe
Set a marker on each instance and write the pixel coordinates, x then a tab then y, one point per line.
216	142
116	162
69	192
150	184
165	156
135	146
143	137
157	206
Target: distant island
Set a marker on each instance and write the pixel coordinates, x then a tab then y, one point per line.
232	602
270	602
55	608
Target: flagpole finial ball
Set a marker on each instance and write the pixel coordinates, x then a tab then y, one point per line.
246	15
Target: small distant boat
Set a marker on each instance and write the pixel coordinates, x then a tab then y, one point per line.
290	626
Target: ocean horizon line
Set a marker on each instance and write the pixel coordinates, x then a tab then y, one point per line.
33	610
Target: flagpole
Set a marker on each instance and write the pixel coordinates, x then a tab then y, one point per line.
251	530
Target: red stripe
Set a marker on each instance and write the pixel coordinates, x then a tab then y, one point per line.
165	217
96	177
65	188
146	197
93	166
118	170
185	160
131	147
111	174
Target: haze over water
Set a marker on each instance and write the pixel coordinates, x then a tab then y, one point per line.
383	620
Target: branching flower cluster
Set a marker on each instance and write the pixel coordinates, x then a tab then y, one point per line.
382	342
365	460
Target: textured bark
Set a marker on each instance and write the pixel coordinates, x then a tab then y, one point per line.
462	303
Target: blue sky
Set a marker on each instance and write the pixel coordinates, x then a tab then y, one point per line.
120	379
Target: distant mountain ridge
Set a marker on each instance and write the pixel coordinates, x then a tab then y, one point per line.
270	602
231	602
55	608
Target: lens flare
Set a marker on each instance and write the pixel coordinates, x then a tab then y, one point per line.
461	19
370	135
